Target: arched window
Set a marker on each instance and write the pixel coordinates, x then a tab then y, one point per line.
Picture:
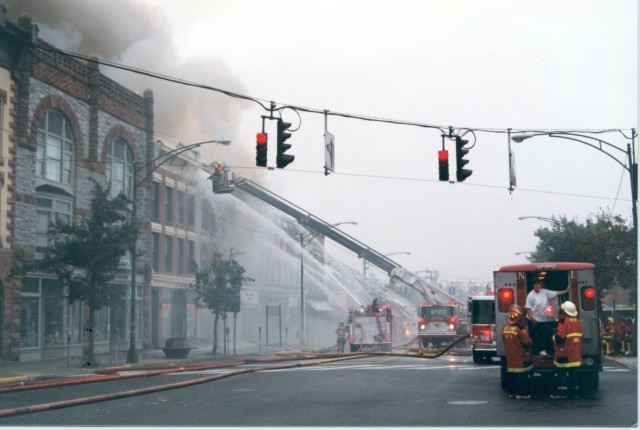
55	149
120	168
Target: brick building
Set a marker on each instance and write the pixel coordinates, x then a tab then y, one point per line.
63	124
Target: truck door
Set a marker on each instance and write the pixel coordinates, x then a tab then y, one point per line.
505	296
588	310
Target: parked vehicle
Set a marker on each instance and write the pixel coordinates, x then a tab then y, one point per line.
370	327
483	326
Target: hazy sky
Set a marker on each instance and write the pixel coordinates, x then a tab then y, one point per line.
480	65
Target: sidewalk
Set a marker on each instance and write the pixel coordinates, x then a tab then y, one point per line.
22	371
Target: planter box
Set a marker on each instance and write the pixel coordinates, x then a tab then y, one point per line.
177	352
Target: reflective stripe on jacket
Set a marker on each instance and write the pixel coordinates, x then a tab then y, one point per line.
516	343
568	343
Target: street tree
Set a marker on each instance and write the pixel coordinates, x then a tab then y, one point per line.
86	256
217	288
605	240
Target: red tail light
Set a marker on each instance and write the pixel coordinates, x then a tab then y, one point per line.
453	320
505	299
421	320
588	296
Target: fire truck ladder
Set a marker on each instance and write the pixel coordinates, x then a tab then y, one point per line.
429	292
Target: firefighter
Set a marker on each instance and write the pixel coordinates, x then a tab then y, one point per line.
568	351
621	331
341	333
517	344
609	334
628	336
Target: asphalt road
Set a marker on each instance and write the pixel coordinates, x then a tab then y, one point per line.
372	391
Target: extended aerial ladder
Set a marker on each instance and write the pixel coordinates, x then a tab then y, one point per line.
224	181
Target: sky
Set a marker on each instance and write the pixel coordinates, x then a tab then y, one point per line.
480	67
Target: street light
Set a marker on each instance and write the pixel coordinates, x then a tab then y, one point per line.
311	236
541	218
600	145
364	264
149	168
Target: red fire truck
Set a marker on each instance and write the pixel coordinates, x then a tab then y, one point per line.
438	324
370	327
483	326
513	283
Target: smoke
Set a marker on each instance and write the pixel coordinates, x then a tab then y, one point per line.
138	35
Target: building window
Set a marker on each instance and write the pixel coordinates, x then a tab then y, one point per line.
48	210
204	217
192	254
168	254
120	168
155	200
155	251
180	207
191	205
180	265
168	205
55	149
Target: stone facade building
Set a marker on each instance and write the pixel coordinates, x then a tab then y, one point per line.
63	125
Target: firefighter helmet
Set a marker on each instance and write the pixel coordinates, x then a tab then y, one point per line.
569	308
515	313
611	320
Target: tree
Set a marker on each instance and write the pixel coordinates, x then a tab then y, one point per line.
86	256
217	287
605	240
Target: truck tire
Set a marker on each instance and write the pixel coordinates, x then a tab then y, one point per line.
425	342
590	381
354	347
477	358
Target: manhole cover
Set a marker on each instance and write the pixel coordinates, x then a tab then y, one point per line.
467	402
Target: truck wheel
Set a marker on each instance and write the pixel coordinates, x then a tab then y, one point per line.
590	381
425	342
355	347
477	358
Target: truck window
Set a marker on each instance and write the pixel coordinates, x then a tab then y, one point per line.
483	312
437	311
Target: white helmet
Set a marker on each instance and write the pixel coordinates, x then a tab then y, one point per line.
569	308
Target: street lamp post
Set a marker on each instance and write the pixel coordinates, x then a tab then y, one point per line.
149	168
303	244
631	166
364	265
541	218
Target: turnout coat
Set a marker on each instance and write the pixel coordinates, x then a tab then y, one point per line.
568	342
516	344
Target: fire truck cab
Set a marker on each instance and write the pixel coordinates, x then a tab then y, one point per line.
437	324
483	326
513	283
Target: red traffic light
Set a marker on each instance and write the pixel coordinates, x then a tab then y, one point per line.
443	155
261	138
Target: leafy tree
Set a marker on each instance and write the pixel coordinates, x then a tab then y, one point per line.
217	287
604	240
86	255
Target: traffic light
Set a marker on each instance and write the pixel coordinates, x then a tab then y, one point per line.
283	159
443	165
461	172
261	149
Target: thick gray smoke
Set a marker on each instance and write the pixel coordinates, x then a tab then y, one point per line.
139	36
